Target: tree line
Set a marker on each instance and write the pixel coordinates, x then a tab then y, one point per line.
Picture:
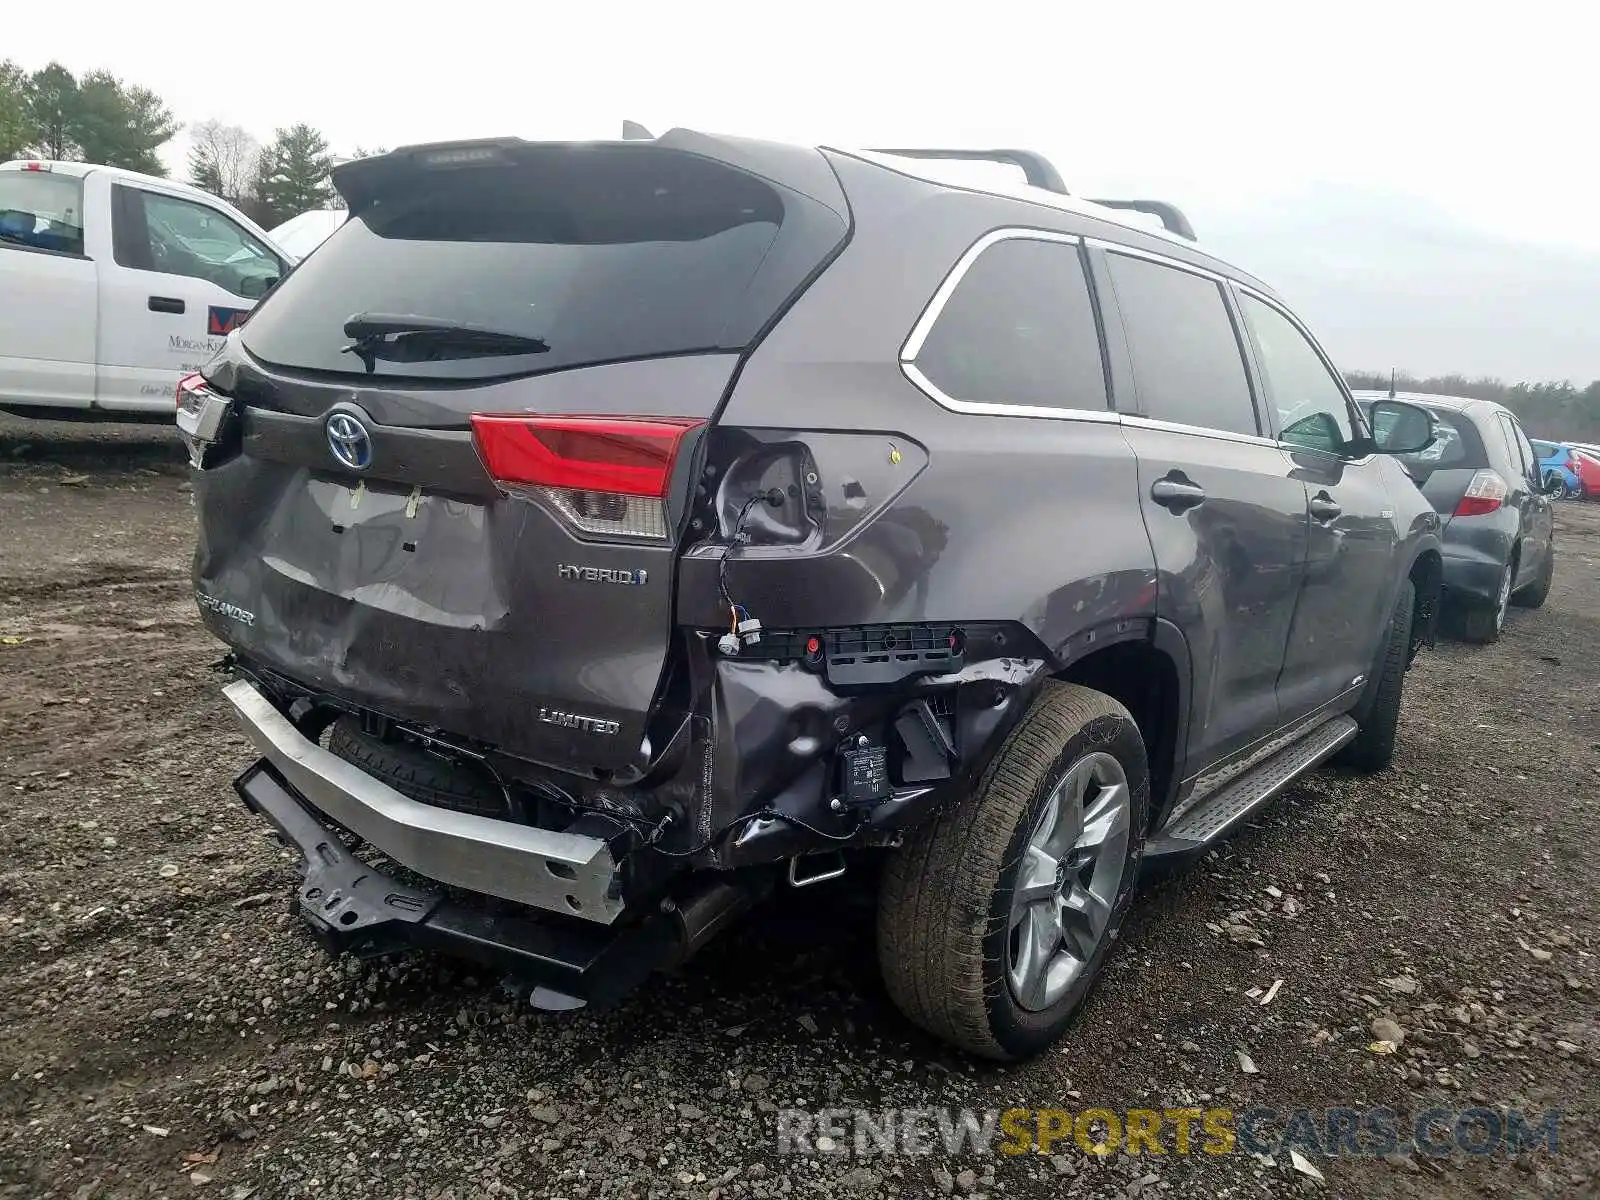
96	117
1551	411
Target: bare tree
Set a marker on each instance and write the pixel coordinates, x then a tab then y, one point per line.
223	158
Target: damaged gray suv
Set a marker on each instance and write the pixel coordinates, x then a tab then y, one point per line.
607	534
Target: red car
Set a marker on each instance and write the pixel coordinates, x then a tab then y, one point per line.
1586	465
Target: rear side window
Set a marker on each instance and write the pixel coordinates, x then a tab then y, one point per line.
1187	363
1019	329
42	211
1528	451
602	254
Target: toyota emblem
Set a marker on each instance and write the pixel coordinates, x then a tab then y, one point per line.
350	442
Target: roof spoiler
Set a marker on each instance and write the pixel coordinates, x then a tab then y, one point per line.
1040	172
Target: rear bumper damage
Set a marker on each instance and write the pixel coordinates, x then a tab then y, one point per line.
350	907
561	872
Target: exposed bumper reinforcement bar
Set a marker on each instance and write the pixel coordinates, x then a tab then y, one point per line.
568	873
349	906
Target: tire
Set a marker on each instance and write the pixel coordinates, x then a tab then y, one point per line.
947	942
1481	624
1377	714
414	772
1534	595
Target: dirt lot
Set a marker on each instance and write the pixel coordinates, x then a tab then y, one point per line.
169	1031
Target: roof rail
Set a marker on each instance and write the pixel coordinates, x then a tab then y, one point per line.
1040	172
1036	168
1171	215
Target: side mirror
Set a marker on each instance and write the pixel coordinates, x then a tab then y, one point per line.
1400	428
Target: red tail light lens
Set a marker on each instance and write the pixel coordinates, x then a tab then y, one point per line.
605	475
192	391
1484	494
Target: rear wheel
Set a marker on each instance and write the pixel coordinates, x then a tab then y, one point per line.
1482	623
1534	595
995	919
1378	713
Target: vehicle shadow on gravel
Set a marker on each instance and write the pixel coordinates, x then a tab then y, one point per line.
85	446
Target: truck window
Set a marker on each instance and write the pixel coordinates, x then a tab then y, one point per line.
42	211
156	232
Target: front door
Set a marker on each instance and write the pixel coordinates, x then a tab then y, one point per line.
1348	587
184	274
1526	493
1224	509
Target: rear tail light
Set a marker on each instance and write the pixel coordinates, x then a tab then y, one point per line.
192	392
604	475
1484	494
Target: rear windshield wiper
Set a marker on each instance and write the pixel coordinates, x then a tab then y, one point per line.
410	338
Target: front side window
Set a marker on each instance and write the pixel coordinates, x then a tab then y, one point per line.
156	232
1312	409
41	211
1187	364
1019	329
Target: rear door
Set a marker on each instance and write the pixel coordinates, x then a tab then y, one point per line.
1351	564
47	290
182	274
1526	494
481	536
1224	507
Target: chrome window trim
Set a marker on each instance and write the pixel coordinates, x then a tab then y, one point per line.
935	307
1104	416
1165	260
1226	435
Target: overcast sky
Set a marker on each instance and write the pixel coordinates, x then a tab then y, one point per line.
1403	117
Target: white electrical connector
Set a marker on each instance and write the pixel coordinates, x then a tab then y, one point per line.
730	645
749	631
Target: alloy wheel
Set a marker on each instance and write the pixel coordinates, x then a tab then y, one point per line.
1068	880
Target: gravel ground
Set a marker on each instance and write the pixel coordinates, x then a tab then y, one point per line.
169	1031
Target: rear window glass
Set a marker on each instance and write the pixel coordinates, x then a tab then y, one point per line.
601	254
1456	443
42	210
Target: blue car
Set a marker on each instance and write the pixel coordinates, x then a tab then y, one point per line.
1556	459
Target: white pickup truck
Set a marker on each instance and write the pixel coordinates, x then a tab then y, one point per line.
113	284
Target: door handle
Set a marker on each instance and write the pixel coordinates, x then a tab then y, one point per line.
1324	507
1177	495
166	304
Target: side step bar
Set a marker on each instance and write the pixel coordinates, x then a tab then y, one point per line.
1228	807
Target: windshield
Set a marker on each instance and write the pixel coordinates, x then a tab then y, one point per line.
42	210
600	255
299	236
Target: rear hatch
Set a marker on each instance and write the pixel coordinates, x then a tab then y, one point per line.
1446	468
467	428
